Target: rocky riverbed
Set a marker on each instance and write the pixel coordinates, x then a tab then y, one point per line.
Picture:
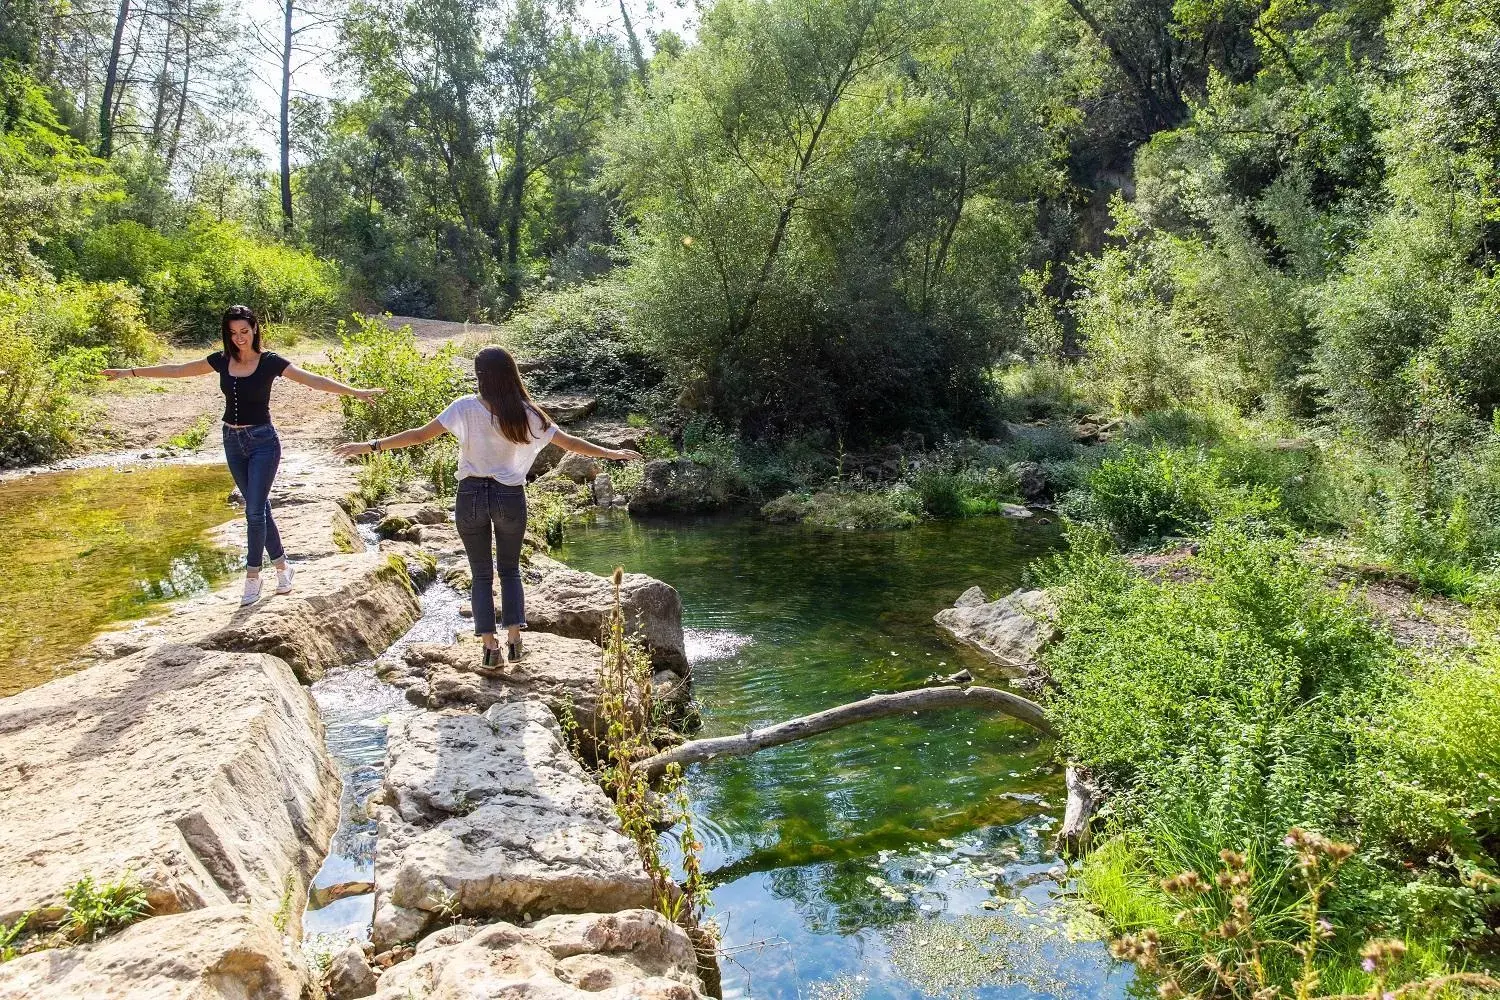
189	757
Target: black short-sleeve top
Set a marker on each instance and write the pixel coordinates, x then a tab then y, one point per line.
247	398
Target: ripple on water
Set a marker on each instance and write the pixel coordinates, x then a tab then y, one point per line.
705	644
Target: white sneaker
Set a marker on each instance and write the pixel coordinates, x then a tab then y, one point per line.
284	579
252	592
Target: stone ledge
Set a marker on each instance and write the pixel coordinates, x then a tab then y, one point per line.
202	774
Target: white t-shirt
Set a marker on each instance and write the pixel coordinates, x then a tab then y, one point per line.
483	450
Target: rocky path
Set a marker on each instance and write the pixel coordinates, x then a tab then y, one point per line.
190	758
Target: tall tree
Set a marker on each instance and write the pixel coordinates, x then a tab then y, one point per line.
107	101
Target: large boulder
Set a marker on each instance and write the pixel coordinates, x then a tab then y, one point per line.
679	486
634	954
568	410
490	816
344	608
203	775
1010	632
229	951
578	604
308	531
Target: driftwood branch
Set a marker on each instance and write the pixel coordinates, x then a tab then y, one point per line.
1084	799
877	706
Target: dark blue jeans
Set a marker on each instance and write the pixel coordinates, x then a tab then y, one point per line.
487	511
253	455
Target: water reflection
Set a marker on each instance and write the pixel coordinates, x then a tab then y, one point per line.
848	865
97	546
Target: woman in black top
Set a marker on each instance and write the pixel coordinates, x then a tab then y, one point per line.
252	449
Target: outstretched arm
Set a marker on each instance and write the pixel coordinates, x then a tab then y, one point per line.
567	442
184	370
406	439
324	384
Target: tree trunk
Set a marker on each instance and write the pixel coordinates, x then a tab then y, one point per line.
636	55
107	101
286	118
182	97
516	197
877	706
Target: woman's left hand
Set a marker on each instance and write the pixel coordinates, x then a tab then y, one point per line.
353	449
368	394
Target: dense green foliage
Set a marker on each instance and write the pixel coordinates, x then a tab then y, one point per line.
1242	697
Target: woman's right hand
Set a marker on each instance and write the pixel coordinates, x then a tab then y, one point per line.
353	449
114	373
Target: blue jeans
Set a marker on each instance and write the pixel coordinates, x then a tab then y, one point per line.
253	455
487	510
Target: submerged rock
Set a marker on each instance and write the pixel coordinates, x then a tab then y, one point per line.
1011	631
204	775
344	608
577	604
490	816
233	952
636	954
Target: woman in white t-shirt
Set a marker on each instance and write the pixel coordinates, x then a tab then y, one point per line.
500	431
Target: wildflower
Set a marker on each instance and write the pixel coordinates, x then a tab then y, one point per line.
1380	955
1184	883
1169	990
1233	860
1325	928
687	241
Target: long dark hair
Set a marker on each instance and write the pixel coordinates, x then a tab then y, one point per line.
248	315
505	395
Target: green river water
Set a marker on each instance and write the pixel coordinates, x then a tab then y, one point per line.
901	858
94	546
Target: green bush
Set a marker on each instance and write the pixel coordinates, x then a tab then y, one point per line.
1438	516
77	315
1140	494
583	336
1241	699
39	413
849	509
191	275
373	354
947	490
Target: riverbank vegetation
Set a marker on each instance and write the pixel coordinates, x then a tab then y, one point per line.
1215	281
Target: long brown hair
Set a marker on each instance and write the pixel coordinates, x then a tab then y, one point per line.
248	315
505	395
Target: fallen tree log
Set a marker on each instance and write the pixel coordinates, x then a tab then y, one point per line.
877	706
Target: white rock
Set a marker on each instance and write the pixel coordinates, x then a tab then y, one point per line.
634	954
577	604
232	952
491	816
202	774
344	608
1011	631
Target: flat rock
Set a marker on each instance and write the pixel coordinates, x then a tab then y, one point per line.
309	477
568	409
308	531
202	774
633	954
560	672
1010	632
574	603
229	951
344	608
490	816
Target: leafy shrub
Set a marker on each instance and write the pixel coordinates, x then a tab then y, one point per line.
39	412
78	315
850	509
963	491
1438	517
373	354
583	336
94	910
191	275
1244	697
1140	494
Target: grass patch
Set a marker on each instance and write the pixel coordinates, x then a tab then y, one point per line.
192	437
96	908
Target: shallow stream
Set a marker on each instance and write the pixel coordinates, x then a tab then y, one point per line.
902	858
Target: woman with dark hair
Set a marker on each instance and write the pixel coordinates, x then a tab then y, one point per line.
252	449
500	431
